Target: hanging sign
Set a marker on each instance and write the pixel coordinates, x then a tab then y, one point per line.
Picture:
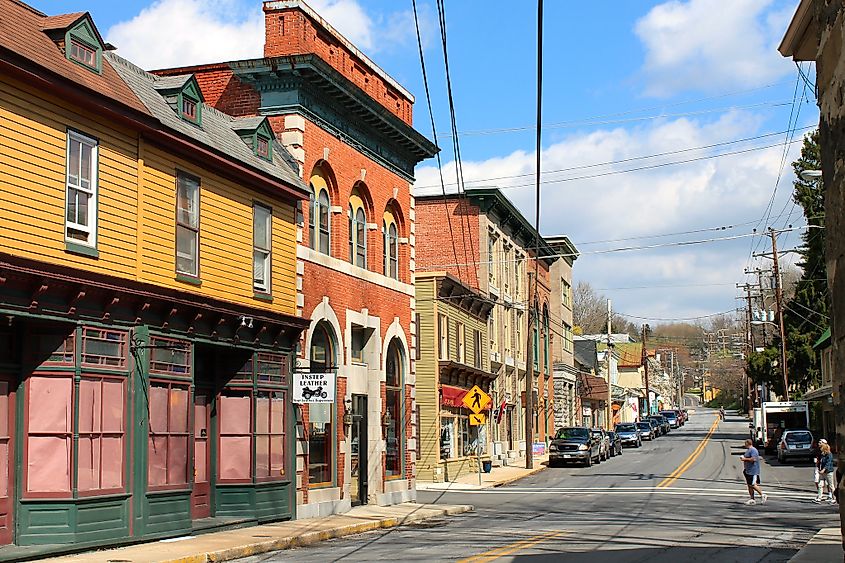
313	387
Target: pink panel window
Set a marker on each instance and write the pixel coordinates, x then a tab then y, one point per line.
235	435
101	456
200	439
168	440
269	435
48	434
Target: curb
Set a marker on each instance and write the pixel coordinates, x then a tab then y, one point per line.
510	480
311	538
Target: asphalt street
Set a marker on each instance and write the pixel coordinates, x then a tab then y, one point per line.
679	498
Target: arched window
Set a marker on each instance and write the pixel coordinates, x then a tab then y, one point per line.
321	415
395	400
318	214
357	230
546	338
391	245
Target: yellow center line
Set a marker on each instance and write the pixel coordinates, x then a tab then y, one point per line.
690	460
511	548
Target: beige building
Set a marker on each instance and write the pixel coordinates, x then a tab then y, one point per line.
451	359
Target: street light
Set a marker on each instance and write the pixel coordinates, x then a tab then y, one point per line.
810	175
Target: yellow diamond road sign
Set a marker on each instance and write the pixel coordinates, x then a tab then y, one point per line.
477	419
476	399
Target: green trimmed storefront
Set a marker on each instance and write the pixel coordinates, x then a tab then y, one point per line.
130	414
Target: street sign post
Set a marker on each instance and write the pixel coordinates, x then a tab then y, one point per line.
475	400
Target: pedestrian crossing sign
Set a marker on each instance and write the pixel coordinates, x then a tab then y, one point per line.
477	419
476	399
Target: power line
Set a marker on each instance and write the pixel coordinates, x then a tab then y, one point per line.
434	134
599	121
631	159
675	319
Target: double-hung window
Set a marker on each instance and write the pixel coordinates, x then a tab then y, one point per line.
81	180
187	225
261	247
357	237
391	251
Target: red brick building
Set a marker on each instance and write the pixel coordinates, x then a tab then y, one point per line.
494	252
348	127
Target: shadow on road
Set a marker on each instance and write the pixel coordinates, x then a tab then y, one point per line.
667	555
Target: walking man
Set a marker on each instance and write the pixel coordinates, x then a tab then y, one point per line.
751	470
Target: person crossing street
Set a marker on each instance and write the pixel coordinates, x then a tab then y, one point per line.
751	471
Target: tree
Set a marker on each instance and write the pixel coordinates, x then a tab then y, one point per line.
806	309
589	313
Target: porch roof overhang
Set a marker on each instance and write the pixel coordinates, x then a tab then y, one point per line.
591	387
818	394
800	40
30	288
462	375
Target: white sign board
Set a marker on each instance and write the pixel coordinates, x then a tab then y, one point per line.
313	387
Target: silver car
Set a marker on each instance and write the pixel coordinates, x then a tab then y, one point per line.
795	443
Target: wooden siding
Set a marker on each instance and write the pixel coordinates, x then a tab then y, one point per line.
427	393
225	251
33	147
428	379
136	207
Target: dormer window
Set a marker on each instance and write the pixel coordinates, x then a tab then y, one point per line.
189	109
83	54
262	147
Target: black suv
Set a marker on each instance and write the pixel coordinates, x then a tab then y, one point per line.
574	443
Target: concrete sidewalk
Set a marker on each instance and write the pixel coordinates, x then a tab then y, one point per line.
825	547
497	477
243	542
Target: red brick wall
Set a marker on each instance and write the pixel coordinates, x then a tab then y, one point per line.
433	246
221	89
291	32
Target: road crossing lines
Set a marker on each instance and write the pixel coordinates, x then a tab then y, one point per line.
512	548
687	463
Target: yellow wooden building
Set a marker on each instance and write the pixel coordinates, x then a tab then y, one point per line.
453	356
148	299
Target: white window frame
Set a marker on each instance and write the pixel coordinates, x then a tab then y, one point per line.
195	229
262	255
443	337
462	343
89	229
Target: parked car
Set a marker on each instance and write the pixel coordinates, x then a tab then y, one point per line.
672	417
601	435
796	443
662	422
646	428
574	444
629	434
615	444
655	426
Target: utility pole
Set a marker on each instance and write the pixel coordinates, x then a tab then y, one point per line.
608	355
645	368
534	301
779	301
529	378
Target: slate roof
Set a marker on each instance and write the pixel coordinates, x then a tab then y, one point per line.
585	353
22	33
217	130
172	82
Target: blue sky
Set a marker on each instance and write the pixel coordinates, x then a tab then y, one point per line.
622	80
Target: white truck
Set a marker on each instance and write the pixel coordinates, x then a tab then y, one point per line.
776	416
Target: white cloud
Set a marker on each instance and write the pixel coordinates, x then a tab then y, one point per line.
711	45
170	33
715	192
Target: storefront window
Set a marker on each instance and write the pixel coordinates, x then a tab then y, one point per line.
394	437
458	438
235	435
168	440
269	434
96	414
321	415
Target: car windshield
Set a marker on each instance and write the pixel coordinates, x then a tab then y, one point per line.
565	433
596	432
799	438
668	414
626	428
645	425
